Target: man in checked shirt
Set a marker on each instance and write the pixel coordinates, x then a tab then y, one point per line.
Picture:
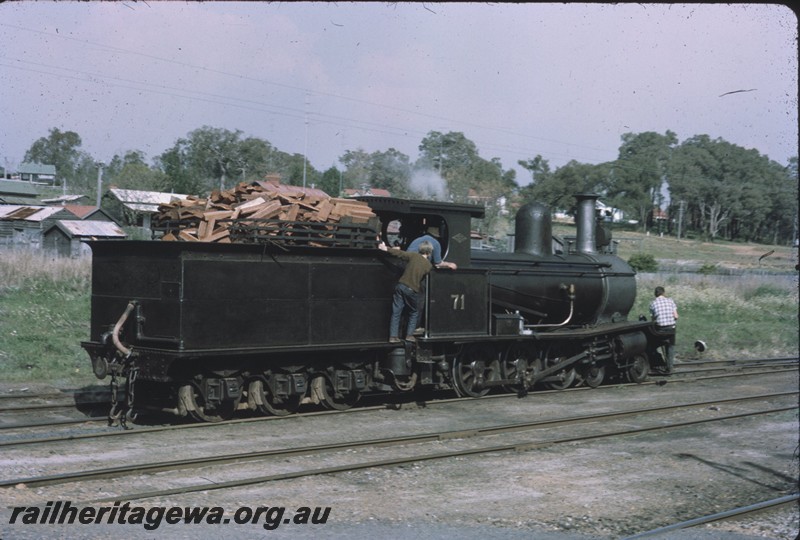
665	315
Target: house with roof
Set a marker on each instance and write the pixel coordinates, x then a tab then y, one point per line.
67	199
609	213
500	201
67	238
22	226
604	212
17	192
85	212
37	173
136	207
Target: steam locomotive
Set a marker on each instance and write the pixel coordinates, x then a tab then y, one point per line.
204	329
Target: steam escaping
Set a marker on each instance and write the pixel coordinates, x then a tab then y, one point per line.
427	184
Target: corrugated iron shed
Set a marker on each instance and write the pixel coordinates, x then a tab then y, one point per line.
37	168
28	213
86	212
65	237
21	226
90	229
65	199
18	188
144	201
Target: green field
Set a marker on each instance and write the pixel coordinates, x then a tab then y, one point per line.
44	305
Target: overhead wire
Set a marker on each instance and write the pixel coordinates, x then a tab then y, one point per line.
280	110
512	149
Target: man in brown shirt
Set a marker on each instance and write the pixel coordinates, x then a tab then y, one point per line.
408	288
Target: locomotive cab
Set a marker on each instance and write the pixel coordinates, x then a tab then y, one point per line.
404	220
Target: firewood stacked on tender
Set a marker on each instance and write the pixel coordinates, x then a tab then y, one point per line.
248	212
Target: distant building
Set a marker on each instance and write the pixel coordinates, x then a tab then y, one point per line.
66	199
608	213
500	201
135	207
37	173
604	212
67	238
18	192
88	213
21	226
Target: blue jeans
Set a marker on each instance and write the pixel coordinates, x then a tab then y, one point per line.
668	333
404	299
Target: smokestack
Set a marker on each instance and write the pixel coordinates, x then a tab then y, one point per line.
586	222
533	230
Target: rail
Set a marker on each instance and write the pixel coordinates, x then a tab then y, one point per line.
485	431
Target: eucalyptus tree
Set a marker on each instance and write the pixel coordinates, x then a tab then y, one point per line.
357	166
131	171
62	149
696	177
214	158
205	159
331	181
389	170
641	170
558	188
455	158
779	224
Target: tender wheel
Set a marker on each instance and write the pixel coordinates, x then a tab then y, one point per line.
639	370
594	375
519	357
472	367
192	400
267	403
322	388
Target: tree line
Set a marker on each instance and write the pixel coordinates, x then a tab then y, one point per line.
702	187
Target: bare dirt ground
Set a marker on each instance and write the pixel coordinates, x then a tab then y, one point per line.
607	488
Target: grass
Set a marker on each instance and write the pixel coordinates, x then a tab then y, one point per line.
736	316
45	307
44	315
693	254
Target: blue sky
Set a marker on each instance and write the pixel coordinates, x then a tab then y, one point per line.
565	81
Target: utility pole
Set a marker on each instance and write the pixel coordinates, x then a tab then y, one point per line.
305	149
440	155
680	217
99	182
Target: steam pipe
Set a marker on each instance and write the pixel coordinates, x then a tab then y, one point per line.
571	295
117	327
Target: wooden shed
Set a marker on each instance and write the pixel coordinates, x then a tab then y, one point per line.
65	237
22	226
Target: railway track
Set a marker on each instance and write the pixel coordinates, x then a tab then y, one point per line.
414	439
702	439
682	375
734	513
